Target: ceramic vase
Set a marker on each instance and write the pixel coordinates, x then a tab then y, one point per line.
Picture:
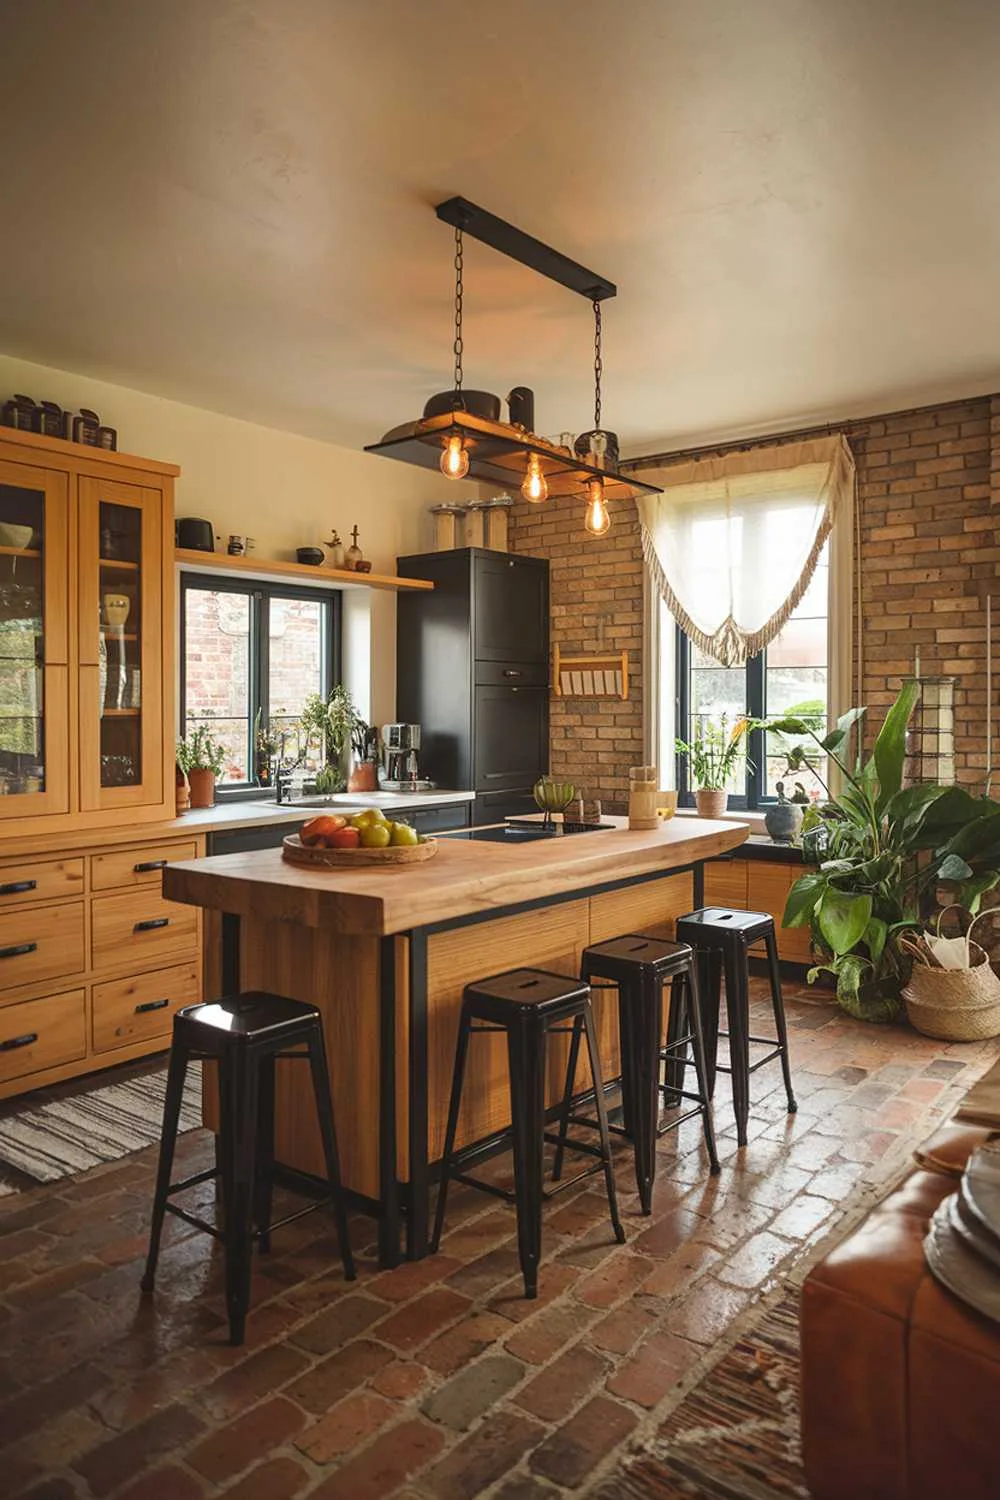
711	802
783	819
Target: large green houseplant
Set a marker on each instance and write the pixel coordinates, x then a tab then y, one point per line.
881	851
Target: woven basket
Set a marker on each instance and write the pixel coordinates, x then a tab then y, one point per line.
954	1005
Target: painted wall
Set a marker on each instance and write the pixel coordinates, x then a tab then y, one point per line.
283	490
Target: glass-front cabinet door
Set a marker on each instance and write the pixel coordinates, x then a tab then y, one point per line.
121	701
34	642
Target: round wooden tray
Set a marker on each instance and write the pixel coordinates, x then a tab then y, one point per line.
298	853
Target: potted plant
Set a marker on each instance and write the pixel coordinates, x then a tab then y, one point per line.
265	744
201	757
712	756
881	851
336	723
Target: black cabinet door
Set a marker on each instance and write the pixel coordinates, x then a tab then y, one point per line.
510	735
510	608
495	807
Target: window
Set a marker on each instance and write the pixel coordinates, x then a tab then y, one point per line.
790	677
253	653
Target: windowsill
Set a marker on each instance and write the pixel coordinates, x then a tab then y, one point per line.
754	820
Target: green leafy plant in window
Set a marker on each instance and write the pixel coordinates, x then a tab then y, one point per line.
201	751
881	850
715	751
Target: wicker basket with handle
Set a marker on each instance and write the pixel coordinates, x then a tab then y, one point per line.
954	1005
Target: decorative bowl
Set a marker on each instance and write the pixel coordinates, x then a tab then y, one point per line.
313	557
553	796
15	536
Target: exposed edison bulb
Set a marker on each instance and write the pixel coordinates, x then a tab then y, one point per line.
598	518
534	486
454	459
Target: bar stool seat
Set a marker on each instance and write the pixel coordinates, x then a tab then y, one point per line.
639	966
527	1005
722	938
245	1034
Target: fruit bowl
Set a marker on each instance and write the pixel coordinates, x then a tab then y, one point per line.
315	856
553	796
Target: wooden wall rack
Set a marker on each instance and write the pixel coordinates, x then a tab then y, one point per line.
598	676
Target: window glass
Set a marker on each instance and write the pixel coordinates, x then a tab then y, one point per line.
295	663
217	673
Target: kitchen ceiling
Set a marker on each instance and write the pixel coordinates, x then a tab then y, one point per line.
230	204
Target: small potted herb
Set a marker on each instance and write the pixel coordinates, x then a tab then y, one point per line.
201	757
712	756
265	745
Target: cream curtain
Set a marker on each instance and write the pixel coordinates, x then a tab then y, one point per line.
733	541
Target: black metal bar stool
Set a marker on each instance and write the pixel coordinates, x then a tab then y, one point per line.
639	967
722	938
527	1004
245	1034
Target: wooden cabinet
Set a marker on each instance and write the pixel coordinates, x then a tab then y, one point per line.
86	637
93	961
760	885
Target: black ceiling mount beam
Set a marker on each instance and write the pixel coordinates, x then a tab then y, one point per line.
517	245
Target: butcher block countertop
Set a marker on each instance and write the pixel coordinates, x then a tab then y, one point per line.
465	877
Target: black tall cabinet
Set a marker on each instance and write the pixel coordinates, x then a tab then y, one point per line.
472	668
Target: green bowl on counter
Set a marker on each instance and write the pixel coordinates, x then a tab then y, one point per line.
553	796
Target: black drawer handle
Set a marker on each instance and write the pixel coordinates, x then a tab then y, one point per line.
512	672
19	1041
19	950
147	865
18	887
142	1010
152	924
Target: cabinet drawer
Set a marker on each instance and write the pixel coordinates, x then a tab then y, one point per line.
41	943
142	1006
132	867
512	673
138	928
40	880
41	1034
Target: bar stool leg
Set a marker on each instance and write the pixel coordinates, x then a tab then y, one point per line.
778	1005
526	1063
567	1099
626	1047
263	1192
324	1109
239	1089
690	982
454	1106
602	1120
174	1097
710	988
738	1014
645	1004
677	1028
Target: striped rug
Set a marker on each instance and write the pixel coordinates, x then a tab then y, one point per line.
68	1135
735	1436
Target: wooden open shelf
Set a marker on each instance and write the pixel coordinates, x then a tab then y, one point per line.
265	567
589	676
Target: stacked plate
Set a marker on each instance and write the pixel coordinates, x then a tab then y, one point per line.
963	1243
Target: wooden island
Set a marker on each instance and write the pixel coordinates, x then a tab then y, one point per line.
385	952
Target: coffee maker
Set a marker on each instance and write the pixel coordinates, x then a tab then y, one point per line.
400	767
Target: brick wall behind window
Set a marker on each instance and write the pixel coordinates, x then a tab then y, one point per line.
929	492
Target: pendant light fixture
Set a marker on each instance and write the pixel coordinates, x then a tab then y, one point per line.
460	432
454	454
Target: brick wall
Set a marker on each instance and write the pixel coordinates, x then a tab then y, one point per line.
928	482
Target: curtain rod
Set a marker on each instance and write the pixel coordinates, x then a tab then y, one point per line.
792	435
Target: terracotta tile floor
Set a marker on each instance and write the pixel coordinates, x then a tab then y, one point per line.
435	1381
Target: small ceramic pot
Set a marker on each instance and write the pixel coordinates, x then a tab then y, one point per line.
202	784
783	821
710	802
363	777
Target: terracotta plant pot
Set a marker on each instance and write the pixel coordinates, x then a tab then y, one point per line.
710	802
363	778
202	784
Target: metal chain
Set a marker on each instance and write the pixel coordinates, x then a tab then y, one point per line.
598	365
459	291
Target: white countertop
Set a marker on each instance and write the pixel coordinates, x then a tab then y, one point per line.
253	814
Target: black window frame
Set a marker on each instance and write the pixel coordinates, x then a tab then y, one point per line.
261	593
753	798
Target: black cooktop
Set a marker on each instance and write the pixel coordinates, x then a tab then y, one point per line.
514	831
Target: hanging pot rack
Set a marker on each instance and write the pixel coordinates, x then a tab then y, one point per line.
501	452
